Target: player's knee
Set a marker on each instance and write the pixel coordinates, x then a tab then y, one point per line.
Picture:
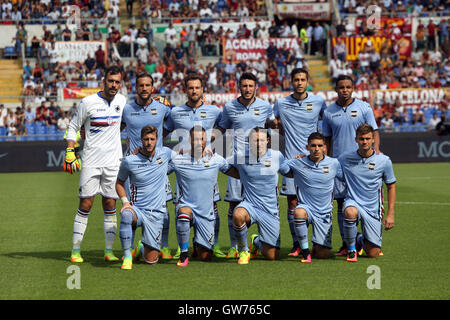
371	250
239	216
204	254
86	204
322	252
184	213
351	212
271	253
300	214
126	216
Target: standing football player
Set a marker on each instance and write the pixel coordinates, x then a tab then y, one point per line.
297	116
101	115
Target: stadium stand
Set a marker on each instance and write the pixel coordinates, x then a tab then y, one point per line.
406	54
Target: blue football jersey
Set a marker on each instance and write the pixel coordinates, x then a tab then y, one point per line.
147	178
314	182
196	179
242	118
299	119
364	178
341	124
260	179
136	117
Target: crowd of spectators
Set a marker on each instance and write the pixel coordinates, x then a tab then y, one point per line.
52	12
396	8
427	67
177	11
25	120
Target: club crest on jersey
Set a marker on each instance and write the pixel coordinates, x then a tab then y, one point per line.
309	107
203	114
267	163
354	113
153	111
325	169
110	120
206	164
256	112
159	160
372	166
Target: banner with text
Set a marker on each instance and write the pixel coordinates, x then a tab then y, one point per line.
253	49
355	45
405	25
306	11
411	98
73	51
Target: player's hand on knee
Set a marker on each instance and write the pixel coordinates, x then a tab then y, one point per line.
71	162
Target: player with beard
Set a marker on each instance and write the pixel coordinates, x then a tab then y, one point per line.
100	114
182	119
136	115
241	115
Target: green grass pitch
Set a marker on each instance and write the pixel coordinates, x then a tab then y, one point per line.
37	212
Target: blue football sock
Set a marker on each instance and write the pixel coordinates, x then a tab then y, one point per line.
165	230
301	230
216	224
340	218
125	231
183	231
233	239
258	243
290	218
350	231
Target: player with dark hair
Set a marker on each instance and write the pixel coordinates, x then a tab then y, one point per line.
182	119
365	171
147	110
100	114
196	172
241	115
314	177
259	176
297	116
146	205
340	121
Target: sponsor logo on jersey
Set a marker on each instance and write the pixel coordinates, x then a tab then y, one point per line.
135	113
336	115
99	110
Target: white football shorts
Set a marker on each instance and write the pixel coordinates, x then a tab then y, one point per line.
95	181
